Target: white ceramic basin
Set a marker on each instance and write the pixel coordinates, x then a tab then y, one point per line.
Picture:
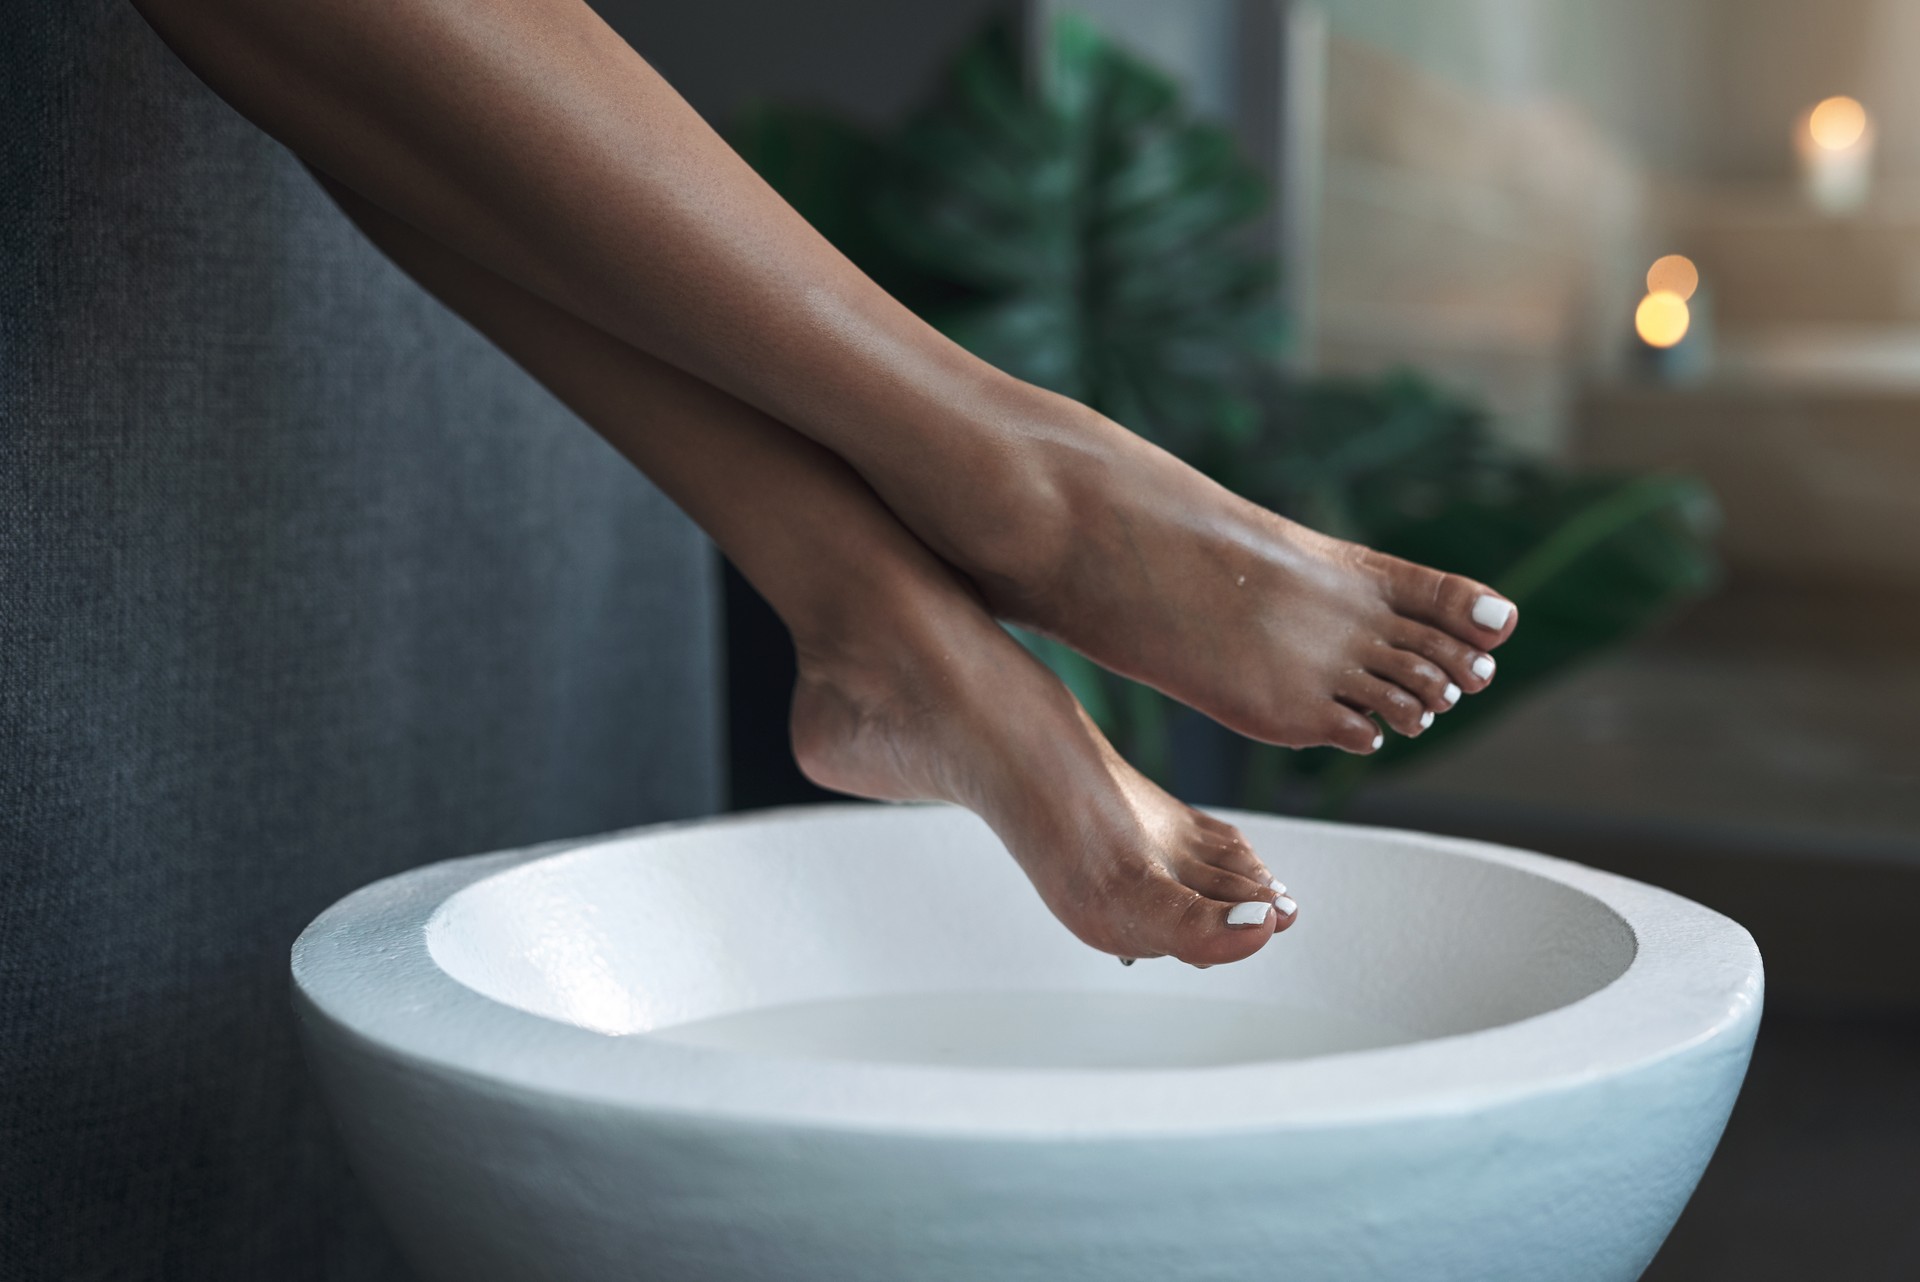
849	1043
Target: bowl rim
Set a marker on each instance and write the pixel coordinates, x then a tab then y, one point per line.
363	975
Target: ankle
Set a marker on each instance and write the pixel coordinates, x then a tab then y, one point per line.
878	666
863	624
1040	469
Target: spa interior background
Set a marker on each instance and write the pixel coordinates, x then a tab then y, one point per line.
245	466
1476	191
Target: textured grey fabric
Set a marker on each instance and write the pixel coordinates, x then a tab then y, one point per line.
301	584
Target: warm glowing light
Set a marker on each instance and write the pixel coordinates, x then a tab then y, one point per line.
1674	274
1662	319
1837	123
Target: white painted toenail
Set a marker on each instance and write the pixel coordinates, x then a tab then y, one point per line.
1279	887
1378	740
1483	667
1286	907
1491	613
1426	719
1451	694
1251	913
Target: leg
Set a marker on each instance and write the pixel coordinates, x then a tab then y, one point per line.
907	688
527	136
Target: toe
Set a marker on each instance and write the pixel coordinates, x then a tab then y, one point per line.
1209	931
1350	731
1185	904
1392	703
1285	912
1149	912
1468	668
1215	882
1222	844
1469	610
1423	678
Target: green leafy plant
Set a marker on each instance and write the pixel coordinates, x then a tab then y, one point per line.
1073	223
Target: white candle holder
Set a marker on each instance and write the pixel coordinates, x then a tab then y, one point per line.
1835	142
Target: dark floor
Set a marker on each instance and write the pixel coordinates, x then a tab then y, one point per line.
1819	1174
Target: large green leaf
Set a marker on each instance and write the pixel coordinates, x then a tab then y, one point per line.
1085	234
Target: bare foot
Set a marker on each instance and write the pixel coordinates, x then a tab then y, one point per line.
920	695
1102	540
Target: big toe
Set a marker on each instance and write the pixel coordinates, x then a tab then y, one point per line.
1161	916
1207	913
1205	931
1469	610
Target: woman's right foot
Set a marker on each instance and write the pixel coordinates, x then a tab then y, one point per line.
922	696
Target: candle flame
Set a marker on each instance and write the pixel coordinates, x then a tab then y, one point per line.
1674	274
1662	319
1837	123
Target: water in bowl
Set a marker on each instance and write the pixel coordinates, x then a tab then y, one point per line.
1031	1030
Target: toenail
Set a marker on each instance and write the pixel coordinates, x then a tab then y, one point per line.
1451	694
1491	613
1378	740
1279	887
1426	719
1251	913
1286	907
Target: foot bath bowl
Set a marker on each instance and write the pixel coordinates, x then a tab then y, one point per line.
848	1044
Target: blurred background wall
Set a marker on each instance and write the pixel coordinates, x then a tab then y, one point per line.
301	585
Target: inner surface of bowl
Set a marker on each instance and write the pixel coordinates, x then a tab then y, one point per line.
910	937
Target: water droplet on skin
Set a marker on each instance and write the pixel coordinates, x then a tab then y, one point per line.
1241	581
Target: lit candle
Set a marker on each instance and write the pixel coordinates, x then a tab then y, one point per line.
1662	319
1835	142
1673	322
